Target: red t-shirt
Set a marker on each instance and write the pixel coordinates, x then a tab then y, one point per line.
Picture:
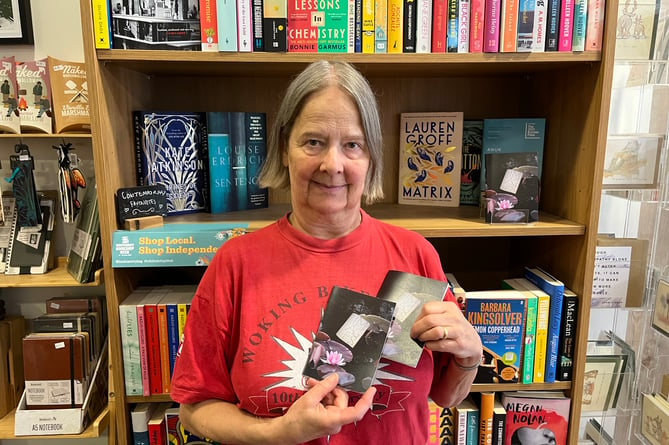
251	322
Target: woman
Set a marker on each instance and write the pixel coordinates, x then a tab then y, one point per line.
238	376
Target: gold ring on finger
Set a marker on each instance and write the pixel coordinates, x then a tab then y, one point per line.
445	333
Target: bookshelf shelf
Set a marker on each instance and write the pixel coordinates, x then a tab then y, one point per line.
45	136
56	277
95	429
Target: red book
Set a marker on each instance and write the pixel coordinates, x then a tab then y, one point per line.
532	416
566	25
302	33
208	25
476	24
157	425
143	353
164	348
491	24
153	348
439	25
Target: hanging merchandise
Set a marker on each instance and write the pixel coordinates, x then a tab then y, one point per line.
70	179
23	187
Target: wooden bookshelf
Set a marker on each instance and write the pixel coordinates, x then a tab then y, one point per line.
96	428
56	277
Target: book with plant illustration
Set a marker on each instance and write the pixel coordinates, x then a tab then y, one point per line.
430	158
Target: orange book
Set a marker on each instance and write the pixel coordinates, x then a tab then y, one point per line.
508	31
486	408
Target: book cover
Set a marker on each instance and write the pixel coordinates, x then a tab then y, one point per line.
132	368
380	26
395	25
553	8
464	22
221	185
9	114
85	253
208	26
156	425
440	425
350	338
410	24
102	29
594	25
452	28
430	158
334	34
555	289
470	180
368	28
29	250
147	315
539	28
439	25
409	292
508	31
525	37
566	25
512	187
516	135
258	39
499	318
139	418
486	404
529	346
303	32
256	152
244	26
226	25
580	25
34	96
72	322
69	92
491	26
171	153
476	25
567	343
157	25
533	416
498	422
274	23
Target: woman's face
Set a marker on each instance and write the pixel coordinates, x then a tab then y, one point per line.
539	436
327	158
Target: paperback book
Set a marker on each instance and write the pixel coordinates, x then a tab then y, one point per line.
9	114
34	99
430	158
470	181
532	416
69	88
350	339
169	152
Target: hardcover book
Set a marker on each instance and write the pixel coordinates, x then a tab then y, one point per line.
57	305
594	25
532	416
508	27
466	418
258	39
244	26
553	24
410	23
237	160
132	368
499	317
221	185
350	339
464	23
34	99
409	292
498	422
579	25
257	197
470	180
169	151
69	90
566	25
439	25
491	27
476	25
156	425
102	28
226	25
430	158
9	114
567	343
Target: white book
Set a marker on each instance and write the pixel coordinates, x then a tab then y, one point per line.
539	29
132	367
244	26
464	18
424	26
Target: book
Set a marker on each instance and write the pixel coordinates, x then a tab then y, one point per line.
395	26
244	26
476	25
508	28
237	160
440	425
566	25
527	369
368	28
221	185
486	404
499	318
73	322
163	341
458	291
579	25
139	417
464	22
350	338
498	422
29	250
169	152
274	23
156	26
102	29
85	255
439	25
452	16
533	416
491	26
156	425
380	26
149	306
539	28
470	180
466	419
525	36
69	93
567	342
555	289
512	158
409	23
9	114
302	31
553	8
257	197
34	96
130	349
357	27
226	25
258	40
208	26
409	292
335	35
64	304
430	158
594	25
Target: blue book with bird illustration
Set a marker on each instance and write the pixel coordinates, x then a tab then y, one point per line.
430	158
169	151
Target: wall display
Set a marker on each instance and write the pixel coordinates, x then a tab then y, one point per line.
15	22
634	29
603	379
661	312
632	162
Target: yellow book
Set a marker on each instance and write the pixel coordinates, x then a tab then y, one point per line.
101	24
380	26
368	26
395	25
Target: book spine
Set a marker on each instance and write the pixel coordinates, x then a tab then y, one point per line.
410	23
153	348
491	26
539	28
541	339
509	26
525	35
132	367
567	337
101	24
143	350
258	41
476	25
424	26
157	434
172	333
182	314
164	348
274	21
452	16
238	158
566	25
530	339
368	26
473	420
460	421
595	28
220	172
486	405
208	26
498	426
137	118
580	25
357	48
439	25
351	30
464	21
226	25
395	25
256	152
244	26
140	438
381	26
552	24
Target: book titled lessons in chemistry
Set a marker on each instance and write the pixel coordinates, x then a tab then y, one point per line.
350	339
430	158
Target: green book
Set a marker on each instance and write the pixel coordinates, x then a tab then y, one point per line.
529	342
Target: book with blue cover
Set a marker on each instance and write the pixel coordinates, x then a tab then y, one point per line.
169	151
220	170
555	288
499	317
